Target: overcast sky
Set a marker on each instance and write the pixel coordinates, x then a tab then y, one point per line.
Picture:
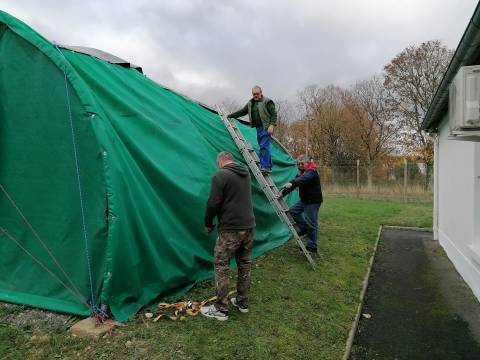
210	50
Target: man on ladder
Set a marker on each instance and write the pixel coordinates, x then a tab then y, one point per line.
305	211
263	116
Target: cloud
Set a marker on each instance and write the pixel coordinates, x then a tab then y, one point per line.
212	50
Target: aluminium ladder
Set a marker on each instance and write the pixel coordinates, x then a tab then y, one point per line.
265	181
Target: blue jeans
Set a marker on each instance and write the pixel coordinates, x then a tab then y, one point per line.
263	138
306	217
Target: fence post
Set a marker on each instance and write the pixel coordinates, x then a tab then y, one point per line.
405	180
358	178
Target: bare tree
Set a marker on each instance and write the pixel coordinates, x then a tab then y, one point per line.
368	103
229	105
285	118
412	78
331	136
295	138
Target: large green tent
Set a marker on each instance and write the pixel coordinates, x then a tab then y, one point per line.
110	172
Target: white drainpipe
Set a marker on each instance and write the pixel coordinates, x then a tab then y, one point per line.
436	179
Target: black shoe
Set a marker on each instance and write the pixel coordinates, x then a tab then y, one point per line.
311	249
242	309
302	232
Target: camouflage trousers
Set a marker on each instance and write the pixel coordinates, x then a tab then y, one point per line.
236	243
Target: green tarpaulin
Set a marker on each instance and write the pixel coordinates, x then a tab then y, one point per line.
145	157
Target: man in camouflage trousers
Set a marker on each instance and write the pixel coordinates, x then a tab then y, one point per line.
230	200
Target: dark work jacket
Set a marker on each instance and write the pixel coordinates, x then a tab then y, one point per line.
230	199
309	187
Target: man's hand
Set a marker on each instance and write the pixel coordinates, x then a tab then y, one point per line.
287	185
270	129
209	229
279	195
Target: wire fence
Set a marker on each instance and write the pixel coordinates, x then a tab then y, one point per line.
401	180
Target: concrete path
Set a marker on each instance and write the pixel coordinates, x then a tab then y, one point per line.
420	307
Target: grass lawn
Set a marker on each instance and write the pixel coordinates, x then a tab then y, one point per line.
295	313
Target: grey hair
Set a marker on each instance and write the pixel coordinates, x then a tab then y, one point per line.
303	158
256	87
225	156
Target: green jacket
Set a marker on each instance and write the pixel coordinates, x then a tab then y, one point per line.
266	111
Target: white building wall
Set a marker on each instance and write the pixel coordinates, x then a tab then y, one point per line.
459	205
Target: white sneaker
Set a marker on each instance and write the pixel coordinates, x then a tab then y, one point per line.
212	312
243	310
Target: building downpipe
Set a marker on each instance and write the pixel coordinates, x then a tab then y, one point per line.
436	178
